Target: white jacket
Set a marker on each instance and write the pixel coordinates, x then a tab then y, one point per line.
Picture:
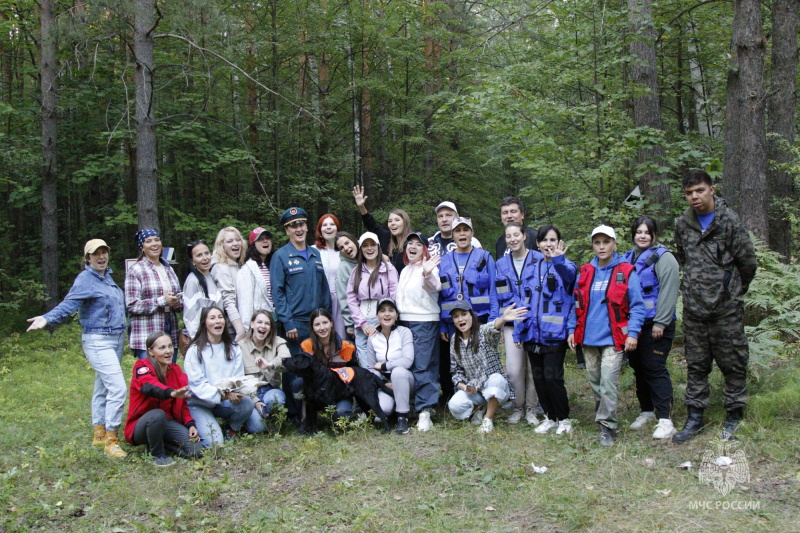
417	296
251	292
396	351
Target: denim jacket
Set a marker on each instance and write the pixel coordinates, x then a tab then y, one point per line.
99	301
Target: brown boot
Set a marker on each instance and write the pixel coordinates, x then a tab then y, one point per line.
112	448
99	436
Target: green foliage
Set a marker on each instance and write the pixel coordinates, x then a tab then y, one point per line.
773	302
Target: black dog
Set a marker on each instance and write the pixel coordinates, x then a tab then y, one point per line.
323	387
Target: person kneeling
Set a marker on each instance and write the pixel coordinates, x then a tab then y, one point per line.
158	415
475	365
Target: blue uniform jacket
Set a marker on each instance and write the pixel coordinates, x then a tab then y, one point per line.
299	285
99	301
475	285
552	284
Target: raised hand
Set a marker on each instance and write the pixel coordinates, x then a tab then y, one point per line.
358	196
430	264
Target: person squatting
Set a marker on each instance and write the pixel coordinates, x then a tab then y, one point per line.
424	316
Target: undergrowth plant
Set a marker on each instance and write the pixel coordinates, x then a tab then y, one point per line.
773	301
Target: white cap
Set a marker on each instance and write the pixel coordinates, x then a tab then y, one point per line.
368	236
448	205
466	221
604	230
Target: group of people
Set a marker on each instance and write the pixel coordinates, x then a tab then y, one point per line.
427	315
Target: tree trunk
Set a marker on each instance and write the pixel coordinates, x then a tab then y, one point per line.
48	71
646	108
781	102
745	167
146	166
705	111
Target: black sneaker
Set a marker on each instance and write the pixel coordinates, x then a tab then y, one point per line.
163	460
402	425
606	436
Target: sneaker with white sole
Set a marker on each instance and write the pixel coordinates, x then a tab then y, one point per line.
530	417
163	460
515	417
424	423
545	426
644	418
664	429
477	417
487	426
564	426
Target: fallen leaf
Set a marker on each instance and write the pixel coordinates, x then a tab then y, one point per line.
650	462
398	498
665	492
490	509
686	465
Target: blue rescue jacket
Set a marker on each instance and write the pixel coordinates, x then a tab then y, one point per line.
476	285
299	285
552	285
513	288
645	266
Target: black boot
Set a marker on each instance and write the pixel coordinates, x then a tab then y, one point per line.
692	428
732	420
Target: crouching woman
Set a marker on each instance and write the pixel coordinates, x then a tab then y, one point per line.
158	415
211	357
482	385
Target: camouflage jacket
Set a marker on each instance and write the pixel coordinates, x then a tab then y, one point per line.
718	264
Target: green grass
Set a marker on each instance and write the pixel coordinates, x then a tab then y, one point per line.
450	479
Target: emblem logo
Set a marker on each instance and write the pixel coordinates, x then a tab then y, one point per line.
724	468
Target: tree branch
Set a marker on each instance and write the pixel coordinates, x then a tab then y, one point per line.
245	74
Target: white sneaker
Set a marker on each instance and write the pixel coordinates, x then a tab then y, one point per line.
643	419
424	423
530	416
664	429
515	417
487	426
477	417
564	426
545	426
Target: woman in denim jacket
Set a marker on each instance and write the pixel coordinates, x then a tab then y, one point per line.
101	309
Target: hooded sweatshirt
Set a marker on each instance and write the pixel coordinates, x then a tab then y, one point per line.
598	323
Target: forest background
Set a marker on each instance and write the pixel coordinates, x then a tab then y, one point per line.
195	114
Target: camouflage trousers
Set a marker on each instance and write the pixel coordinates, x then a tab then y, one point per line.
721	340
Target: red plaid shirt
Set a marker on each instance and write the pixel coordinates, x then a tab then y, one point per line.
147	304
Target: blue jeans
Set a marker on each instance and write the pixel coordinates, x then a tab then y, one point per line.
362	339
270	397
235	414
426	364
104	353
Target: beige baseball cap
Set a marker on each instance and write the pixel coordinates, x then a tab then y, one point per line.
92	246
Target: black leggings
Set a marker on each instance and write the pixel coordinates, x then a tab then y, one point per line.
649	363
158	432
547	365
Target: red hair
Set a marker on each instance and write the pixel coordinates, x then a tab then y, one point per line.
425	254
320	240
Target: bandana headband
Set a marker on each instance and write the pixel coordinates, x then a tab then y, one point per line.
143	234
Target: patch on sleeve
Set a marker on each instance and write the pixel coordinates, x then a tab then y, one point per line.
142	370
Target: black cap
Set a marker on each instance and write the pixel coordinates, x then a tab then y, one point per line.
419	235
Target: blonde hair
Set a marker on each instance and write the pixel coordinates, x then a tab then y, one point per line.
219	254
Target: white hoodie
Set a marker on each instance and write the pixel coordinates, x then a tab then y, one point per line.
418	296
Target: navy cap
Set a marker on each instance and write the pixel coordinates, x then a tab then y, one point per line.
464	305
293	214
419	235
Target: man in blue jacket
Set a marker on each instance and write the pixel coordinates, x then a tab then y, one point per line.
299	286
